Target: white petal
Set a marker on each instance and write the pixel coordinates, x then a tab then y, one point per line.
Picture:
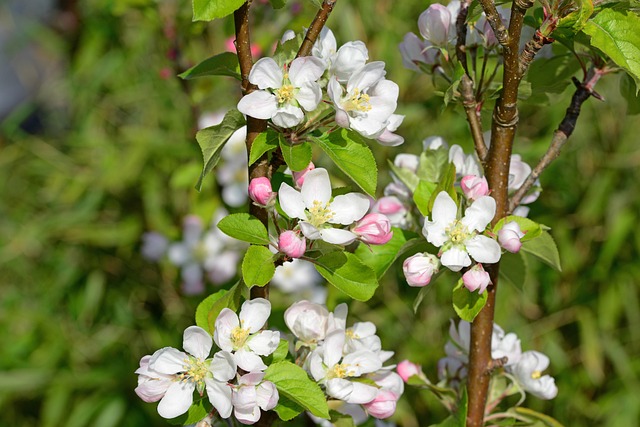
223	366
362	362
362	393
316	187
197	342
435	233
309	96
316	367
226	322
247	415
445	210
305	69
333	345
338	319
348	208
168	361
483	249
340	388
367	76
455	259
291	201
480	213
177	399
337	236
249	361
259	104
265	342
349	58
309	231
220	396
287	116
266	73
179	254
267	395
254	314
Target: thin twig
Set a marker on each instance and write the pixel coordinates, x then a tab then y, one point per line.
461	32
530	50
315	28
495	20
470	109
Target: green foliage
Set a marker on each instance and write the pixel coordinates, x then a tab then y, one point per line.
278	4
223	64
209	309
433	163
445	184
468	304
577	19
245	227
297	388
408	178
264	143
544	248
381	257
531	229
346	272
297	156
208	10
423	196
257	266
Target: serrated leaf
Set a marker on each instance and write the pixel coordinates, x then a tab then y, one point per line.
407	177
381	257
279	354
552	75
208	310
287	409
544	248
245	227
617	35
294	384
197	411
257	266
264	142
432	164
468	304
531	229
297	156
352	156
208	10
422	196
224	64
513	269
346	272
458	72
213	139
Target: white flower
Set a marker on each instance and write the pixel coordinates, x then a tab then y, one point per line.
316	210
330	368
368	103
307	321
435	143
192	371
505	346
459	238
151	385
289	90
528	372
295	276
414	50
242	336
465	164
251	395
388	137
347	60
325	46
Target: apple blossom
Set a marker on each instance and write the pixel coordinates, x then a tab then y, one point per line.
392	208
307	321
437	24
296	275
383	406
151	385
414	51
459	238
465	164
290	89
261	192
373	229
316	209
434	143
419	268
406	161
349	58
505	345
528	372
251	395
154	245
509	237
474	186
241	335
298	177
476	278
388	137
362	336
290	244
325	46
407	369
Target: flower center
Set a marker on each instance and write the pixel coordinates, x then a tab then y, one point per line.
239	337
197	369
536	375
319	213
458	233
284	94
339	371
359	102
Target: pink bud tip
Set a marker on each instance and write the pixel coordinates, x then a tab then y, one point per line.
407	369
291	245
419	268
474	187
476	278
298	177
374	229
509	237
260	191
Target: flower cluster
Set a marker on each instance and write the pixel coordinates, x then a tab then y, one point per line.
346	362
171	376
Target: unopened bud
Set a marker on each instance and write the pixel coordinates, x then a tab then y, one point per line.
298	177
407	369
476	278
509	237
261	192
374	229
291	244
383	406
474	186
419	268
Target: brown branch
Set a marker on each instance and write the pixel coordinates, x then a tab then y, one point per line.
530	50
583	91
495	20
461	33
316	26
471	109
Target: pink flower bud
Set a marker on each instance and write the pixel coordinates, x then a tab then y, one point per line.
509	237
383	406
261	192
419	268
389	205
408	369
435	23
291	245
474	187
374	229
476	278
298	177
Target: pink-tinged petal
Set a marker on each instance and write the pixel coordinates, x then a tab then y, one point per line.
168	361
348	59
287	116
309	96
249	361
309	231
390	139
219	394
226	322
337	236
362	362
153	390
349	208
266	73
264	343
223	366
252	378
480	213
455	259
247	416
342	119
445	210
197	342
254	314
367	76
267	396
177	399
483	249
259	104
305	69
244	398
333	345
316	187
291	201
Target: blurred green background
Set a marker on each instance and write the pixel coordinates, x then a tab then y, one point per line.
101	149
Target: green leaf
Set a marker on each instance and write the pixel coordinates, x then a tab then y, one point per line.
455	82
577	19
513	269
296	156
422	196
468	304
294	384
407	177
287	51
287	409
278	4
197	411
381	257
534	415
627	92
208	310
531	229
280	354
346	272
446	183
617	35
208	10
213	139
544	248
224	64
245	227
341	420
264	142
257	266
352	156
432	164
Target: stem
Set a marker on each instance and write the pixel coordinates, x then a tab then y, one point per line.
315	28
505	119
461	31
530	50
